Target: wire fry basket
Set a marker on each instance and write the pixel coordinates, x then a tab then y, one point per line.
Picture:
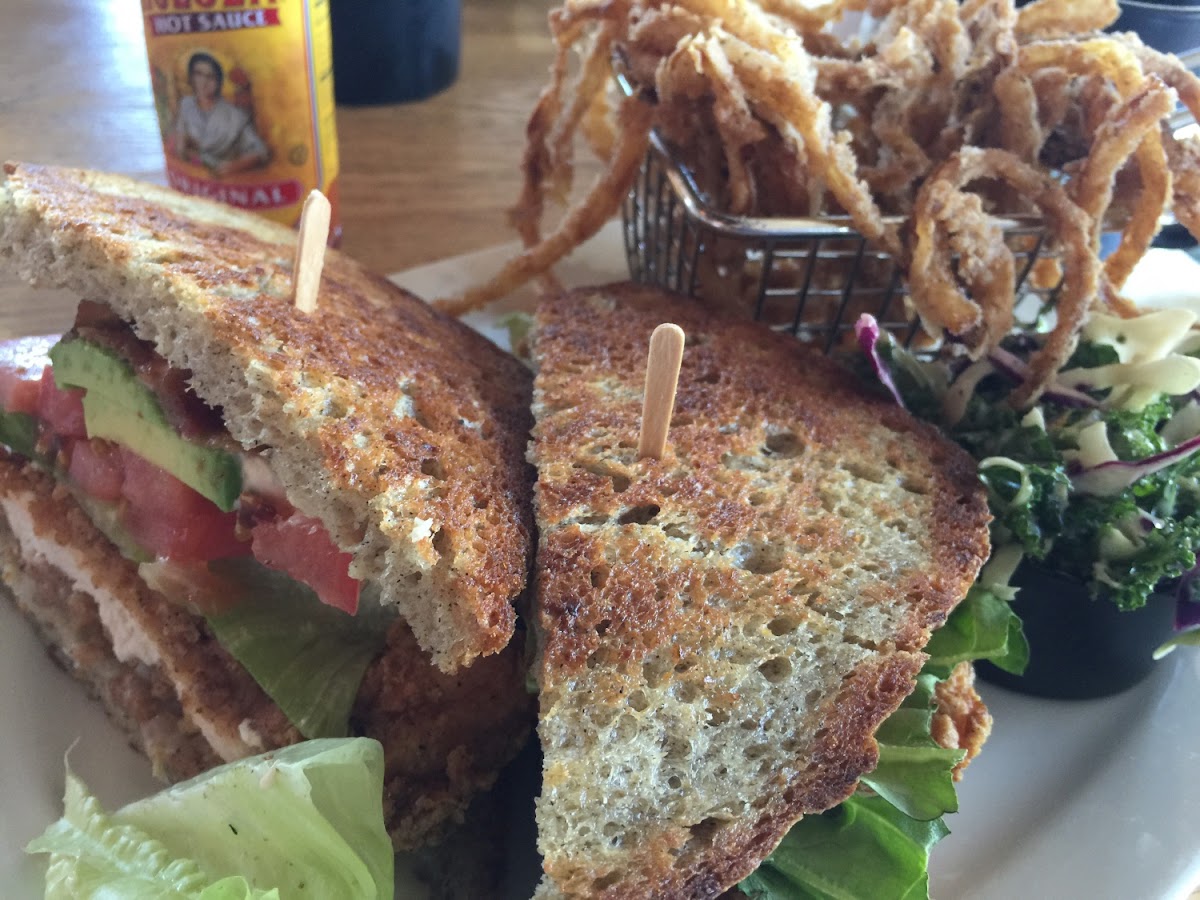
810	277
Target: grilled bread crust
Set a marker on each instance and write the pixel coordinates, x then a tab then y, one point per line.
722	630
188	705
401	429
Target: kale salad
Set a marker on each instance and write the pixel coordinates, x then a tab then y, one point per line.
1098	481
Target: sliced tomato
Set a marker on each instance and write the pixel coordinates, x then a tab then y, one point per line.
61	411
17	393
300	546
172	521
97	467
22	362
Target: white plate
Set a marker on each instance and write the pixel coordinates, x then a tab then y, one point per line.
1096	799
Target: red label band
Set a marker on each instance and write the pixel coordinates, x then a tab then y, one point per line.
151	6
264	195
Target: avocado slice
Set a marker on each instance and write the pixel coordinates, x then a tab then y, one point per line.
119	408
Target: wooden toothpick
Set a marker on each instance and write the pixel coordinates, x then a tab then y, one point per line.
662	377
310	252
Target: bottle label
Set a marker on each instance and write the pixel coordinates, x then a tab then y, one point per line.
243	90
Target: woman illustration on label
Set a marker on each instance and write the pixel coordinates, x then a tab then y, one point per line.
210	130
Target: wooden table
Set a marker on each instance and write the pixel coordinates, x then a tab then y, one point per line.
419	181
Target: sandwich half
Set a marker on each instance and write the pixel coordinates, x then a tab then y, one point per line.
722	631
243	525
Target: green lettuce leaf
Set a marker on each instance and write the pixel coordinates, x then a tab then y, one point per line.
915	773
309	657
519	324
304	821
983	626
19	432
863	848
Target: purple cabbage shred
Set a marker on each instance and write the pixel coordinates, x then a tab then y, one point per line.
868	332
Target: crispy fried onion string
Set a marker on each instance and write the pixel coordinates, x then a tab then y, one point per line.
1020	132
1183	156
634	117
735	121
791	109
1056	19
950	223
1131	129
781	81
1097	56
933	278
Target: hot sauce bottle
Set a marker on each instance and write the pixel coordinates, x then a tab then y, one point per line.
244	95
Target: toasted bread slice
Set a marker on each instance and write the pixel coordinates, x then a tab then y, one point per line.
402	430
722	630
188	705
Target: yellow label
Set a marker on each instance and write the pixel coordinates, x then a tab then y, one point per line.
244	95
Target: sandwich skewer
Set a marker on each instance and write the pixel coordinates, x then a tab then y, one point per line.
662	379
310	251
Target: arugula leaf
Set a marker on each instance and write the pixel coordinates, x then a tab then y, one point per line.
915	773
863	848
983	626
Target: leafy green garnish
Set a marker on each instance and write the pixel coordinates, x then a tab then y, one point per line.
983	626
1154	550
304	821
863	848
309	657
1133	434
1029	504
915	773
518	324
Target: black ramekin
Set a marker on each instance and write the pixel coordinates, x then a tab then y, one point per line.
1080	647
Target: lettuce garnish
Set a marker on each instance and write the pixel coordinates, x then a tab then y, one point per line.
863	848
303	821
915	773
309	657
983	626
19	431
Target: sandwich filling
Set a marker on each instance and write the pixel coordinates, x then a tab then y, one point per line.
155	470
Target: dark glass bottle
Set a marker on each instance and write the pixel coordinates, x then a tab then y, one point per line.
392	51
